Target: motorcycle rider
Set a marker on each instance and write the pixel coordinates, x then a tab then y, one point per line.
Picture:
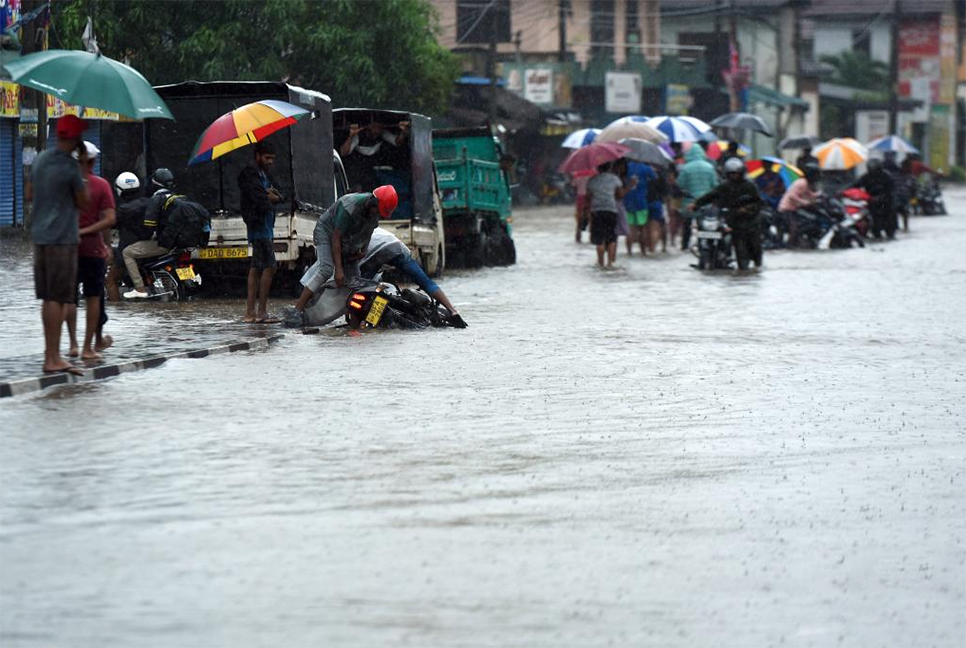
386	249
740	197
153	223
879	185
801	194
130	210
697	177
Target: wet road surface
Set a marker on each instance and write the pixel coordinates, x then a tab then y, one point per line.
645	457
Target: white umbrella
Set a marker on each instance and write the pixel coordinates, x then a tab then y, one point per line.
620	129
629	120
647	152
582	137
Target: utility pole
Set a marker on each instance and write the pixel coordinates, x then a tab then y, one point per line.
894	70
491	63
733	28
562	6
34	101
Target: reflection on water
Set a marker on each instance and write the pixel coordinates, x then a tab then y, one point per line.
644	457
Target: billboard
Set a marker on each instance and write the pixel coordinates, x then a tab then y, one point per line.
622	92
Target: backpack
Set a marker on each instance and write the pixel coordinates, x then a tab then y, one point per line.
186	223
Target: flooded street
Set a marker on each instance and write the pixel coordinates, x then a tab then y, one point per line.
648	457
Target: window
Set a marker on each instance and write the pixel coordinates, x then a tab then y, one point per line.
632	27
861	39
602	27
475	19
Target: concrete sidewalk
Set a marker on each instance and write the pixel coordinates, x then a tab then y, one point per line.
18	385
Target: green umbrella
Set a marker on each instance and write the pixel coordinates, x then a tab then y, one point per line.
89	80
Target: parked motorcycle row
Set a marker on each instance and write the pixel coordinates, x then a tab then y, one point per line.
833	222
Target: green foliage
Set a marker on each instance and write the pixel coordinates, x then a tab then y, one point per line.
957	174
857	70
369	54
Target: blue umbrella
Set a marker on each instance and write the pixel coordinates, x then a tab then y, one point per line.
892	143
679	129
583	137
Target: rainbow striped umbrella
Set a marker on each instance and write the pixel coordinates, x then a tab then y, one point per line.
243	126
787	172
841	154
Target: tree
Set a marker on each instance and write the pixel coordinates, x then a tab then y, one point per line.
378	55
857	70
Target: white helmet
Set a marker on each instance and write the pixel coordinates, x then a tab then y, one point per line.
734	165
127	181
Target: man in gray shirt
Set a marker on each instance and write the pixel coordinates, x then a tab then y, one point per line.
604	190
58	192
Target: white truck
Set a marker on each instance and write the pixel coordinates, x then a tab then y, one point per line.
309	171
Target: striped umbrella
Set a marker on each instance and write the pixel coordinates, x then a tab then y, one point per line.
892	143
786	171
583	137
679	129
841	154
243	126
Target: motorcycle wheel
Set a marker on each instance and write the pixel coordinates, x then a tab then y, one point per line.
704	259
169	287
476	253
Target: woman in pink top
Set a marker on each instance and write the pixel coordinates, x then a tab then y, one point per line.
802	193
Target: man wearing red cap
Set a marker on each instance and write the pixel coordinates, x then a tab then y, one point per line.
342	237
58	192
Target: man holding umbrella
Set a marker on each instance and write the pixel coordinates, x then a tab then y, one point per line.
58	193
259	196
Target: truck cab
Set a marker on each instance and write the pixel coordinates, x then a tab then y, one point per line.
475	193
396	148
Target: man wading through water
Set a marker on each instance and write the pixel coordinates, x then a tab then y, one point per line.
58	192
258	199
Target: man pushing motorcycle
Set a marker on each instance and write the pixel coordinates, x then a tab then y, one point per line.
342	236
741	200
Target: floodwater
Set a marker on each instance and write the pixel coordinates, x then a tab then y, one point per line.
649	457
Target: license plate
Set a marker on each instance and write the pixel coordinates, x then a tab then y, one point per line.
714	236
376	310
185	274
223	253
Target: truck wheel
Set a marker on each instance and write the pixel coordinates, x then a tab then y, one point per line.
438	272
477	250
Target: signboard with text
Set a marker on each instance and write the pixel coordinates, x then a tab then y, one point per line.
622	92
538	86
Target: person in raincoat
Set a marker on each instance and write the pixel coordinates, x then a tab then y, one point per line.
342	236
697	177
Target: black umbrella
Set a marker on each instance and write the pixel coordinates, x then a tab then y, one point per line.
746	121
798	141
647	152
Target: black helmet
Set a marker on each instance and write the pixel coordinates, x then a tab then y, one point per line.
811	171
163	178
874	164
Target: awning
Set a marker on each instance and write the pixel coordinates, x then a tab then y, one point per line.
764	94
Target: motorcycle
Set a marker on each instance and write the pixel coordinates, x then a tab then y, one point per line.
929	198
772	229
712	239
826	224
370	304
856	204
170	277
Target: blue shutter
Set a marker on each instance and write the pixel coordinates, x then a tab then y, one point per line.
7	174
18	171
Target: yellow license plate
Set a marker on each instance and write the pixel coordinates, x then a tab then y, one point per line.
375	312
223	253
185	274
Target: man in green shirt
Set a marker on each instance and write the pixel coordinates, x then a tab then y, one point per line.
342	237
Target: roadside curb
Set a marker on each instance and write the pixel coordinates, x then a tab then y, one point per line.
28	385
